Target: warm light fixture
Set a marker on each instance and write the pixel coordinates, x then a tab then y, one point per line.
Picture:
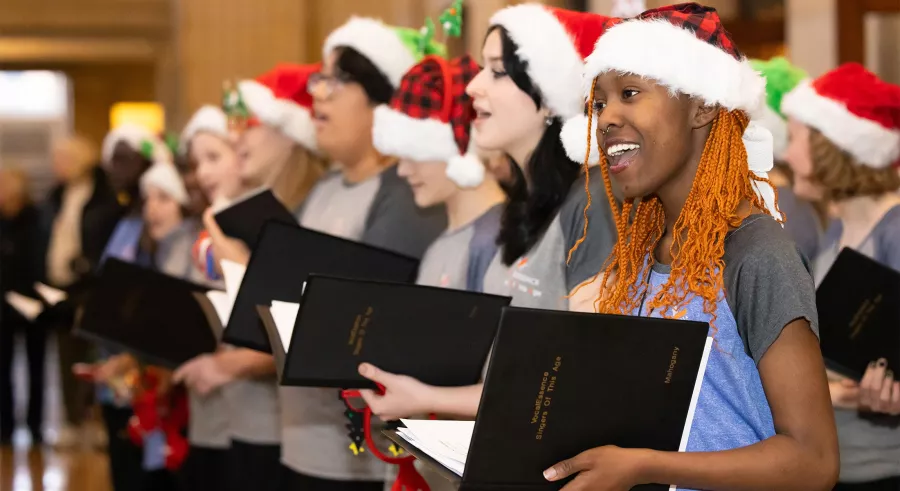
150	115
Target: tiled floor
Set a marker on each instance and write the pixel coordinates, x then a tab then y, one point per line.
23	468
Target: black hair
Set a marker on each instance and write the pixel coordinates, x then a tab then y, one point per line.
352	66
535	199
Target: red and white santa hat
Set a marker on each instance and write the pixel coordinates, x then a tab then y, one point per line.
429	119
380	43
553	42
207	119
164	176
853	108
279	99
685	48
140	139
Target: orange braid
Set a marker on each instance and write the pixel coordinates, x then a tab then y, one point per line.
722	183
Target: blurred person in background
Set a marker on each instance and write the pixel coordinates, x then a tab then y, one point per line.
805	221
128	152
81	213
22	265
272	135
845	153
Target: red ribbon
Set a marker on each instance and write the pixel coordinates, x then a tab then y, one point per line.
408	478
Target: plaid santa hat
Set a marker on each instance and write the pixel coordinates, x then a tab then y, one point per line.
139	139
781	77
207	119
279	99
553	42
430	119
685	48
393	50
164	176
854	109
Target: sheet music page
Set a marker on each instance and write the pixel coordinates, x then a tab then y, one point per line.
51	295
30	308
285	316
445	441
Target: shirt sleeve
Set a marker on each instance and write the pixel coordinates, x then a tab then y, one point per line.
483	248
888	249
397	224
587	261
768	284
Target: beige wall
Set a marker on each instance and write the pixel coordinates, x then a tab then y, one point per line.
812	39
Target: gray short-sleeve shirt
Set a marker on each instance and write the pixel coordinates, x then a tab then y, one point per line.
541	278
380	211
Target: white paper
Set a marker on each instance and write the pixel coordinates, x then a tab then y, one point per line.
445	441
285	316
30	308
51	295
222	304
234	275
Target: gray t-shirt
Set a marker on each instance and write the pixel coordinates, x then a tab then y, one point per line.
208	423
541	279
802	222
459	258
380	211
869	451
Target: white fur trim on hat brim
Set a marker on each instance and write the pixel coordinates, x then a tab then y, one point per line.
677	59
165	177
377	42
405	137
208	119
290	118
425	140
467	171
777	126
867	141
134	136
574	136
554	64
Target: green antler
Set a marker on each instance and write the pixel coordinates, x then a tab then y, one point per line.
426	36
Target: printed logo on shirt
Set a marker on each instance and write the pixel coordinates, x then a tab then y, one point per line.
523	283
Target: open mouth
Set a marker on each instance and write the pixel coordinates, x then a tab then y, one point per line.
621	155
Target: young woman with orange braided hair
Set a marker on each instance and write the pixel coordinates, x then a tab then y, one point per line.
697	240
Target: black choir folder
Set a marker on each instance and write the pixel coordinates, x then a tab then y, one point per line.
437	335
858	314
560	383
245	218
151	314
284	256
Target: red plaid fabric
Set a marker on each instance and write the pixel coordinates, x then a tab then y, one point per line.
462	112
436	89
703	21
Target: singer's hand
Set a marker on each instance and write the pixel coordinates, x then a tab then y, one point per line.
878	391
404	396
223	246
600	469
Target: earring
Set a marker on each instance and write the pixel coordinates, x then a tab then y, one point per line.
548	120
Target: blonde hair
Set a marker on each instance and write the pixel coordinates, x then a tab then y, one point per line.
843	177
83	151
297	176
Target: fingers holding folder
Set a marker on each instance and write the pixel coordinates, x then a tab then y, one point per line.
224	247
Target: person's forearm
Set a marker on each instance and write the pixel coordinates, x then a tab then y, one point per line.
245	363
779	463
457	402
